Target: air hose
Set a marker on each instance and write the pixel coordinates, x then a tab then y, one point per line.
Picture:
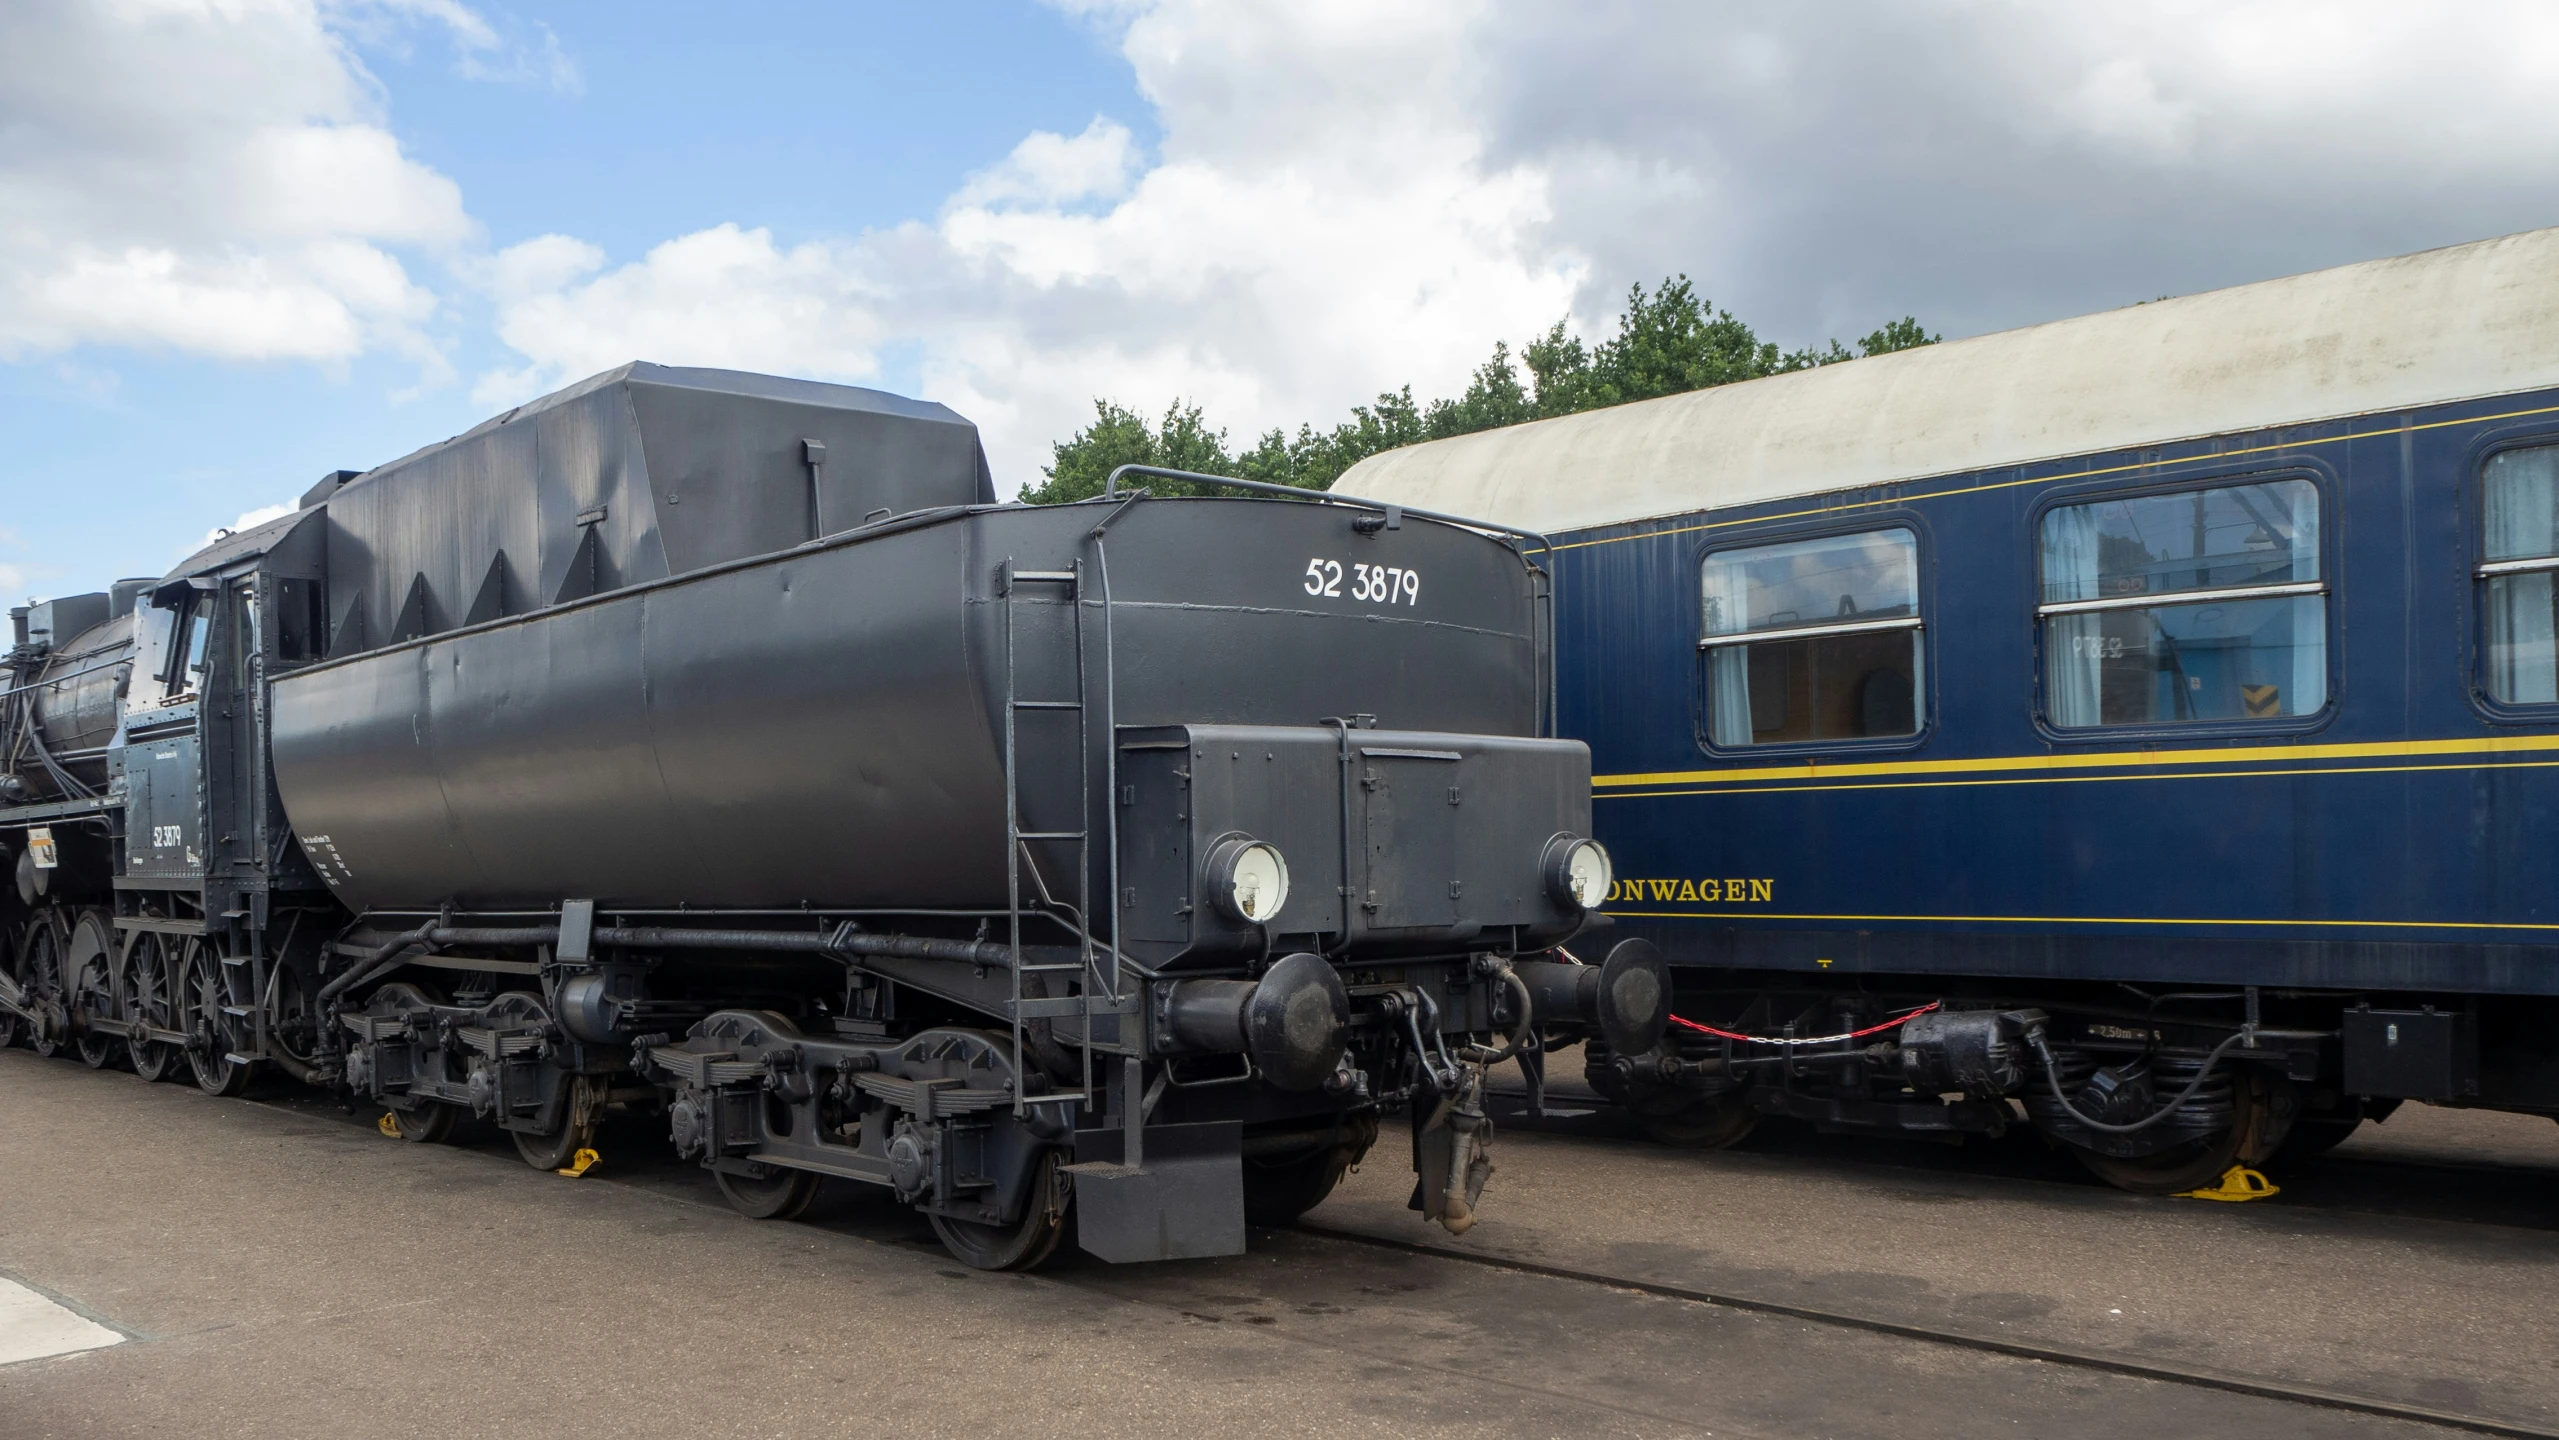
1527	1018
2052	1077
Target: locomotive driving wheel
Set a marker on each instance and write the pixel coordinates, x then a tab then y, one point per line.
1021	1245
151	997
40	980
9	1022
201	996
91	959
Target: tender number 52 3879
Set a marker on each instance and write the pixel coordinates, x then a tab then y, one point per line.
1377	584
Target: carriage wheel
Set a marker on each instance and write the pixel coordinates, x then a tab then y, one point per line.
202	995
1693	1122
2194	1164
40	979
151	996
1021	1245
2312	1136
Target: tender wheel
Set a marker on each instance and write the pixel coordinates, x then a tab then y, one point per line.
557	1149
1278	1189
1693	1122
777	1194
151	996
40	977
428	1122
422	1120
1019	1246
209	1031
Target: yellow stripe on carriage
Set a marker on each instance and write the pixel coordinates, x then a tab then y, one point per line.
2072	920
2033	766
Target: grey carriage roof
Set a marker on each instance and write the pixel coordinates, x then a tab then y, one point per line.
2452	324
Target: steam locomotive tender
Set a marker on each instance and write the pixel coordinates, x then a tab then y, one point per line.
712	743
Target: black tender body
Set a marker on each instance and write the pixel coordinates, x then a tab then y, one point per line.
713	744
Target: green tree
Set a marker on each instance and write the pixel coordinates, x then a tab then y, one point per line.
1120	436
1671	342
1493	399
1668	342
1903	334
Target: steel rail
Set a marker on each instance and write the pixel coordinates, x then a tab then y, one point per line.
2191	1377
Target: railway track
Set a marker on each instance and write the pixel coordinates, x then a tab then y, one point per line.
2192	1377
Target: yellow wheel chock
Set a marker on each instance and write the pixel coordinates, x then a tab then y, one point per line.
2238	1183
580	1163
389	1125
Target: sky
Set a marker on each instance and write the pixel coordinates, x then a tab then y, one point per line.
246	242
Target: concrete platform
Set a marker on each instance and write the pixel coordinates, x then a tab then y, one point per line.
282	1269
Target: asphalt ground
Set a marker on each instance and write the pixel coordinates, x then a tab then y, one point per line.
279	1268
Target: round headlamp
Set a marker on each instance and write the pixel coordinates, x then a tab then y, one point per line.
1247	879
1578	875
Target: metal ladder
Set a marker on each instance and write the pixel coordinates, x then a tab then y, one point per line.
1088	984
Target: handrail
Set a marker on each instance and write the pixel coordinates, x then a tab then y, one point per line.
2148	601
1111	489
1812	632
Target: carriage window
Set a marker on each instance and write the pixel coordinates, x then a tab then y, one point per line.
1814	640
2523	555
2203	605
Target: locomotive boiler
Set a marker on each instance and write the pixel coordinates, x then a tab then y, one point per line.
715	745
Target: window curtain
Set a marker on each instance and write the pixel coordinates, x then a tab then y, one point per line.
2309	688
2523	651
2306	688
1727	666
2073	643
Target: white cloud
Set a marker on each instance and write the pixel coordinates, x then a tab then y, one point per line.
1988	163
248	518
1321	221
1349	196
481	52
722	297
208	177
1338	197
1052	169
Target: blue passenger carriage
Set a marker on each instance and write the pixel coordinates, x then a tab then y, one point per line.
2143	726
